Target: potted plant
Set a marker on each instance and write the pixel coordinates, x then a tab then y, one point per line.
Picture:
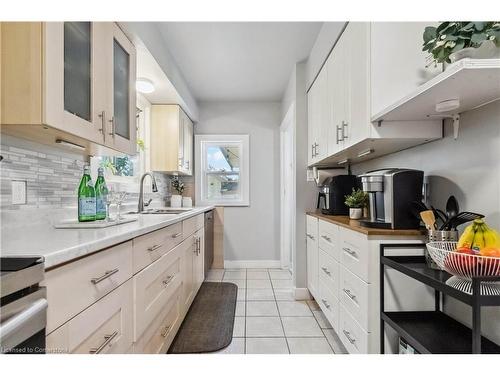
452	41
356	201
178	185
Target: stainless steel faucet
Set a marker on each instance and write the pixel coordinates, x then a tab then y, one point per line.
141	206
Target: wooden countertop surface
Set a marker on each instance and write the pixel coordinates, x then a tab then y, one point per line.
345	222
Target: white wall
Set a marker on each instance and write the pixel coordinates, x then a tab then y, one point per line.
251	233
468	168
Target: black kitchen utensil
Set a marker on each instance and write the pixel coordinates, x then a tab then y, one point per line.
439	214
452	208
461	218
416	208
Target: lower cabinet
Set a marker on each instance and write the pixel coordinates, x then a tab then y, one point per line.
312	255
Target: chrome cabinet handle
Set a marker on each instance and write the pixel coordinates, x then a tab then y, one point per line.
165	331
168	280
148	202
195	246
348	335
316	145
154	247
310	236
349	251
198	245
344	125
176	235
312	150
349	294
325	302
97	280
107	341
102	115
337	134
325	270
112	121
326	238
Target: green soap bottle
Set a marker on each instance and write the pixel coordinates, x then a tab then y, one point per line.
101	192
86	197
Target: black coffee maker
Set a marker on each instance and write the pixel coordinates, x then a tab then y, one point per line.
333	193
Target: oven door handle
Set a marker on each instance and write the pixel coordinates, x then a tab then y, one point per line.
24	324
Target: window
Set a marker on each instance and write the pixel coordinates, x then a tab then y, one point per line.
222	175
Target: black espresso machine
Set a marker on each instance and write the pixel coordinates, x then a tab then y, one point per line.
333	192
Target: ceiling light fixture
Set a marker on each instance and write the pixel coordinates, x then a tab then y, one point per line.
144	85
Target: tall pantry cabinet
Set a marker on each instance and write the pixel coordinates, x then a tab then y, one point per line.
69	81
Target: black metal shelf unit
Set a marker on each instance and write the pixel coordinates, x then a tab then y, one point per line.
434	331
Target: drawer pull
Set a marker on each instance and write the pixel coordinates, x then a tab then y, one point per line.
349	294
326	238
167	280
325	270
310	236
349	251
348	335
177	235
165	331
325	302
153	248
107	341
97	280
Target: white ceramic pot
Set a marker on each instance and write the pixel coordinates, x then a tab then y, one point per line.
187	202
176	201
355	213
462	54
487	50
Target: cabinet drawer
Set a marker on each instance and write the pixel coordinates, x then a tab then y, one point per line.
354	253
312	226
77	285
354	295
191	225
329	272
328	236
354	338
329	304
105	327
153	287
153	246
159	335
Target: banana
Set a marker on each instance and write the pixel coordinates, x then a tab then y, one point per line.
478	235
467	237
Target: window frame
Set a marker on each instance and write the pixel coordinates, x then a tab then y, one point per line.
201	143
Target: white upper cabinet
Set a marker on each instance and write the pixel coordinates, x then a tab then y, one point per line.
358	73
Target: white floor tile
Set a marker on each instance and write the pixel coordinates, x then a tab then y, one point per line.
239	326
321	318
239	283
282	284
242	294
257	269
294	308
260	295
259	284
280	275
257	275
284	294
240	308
237	346
235	275
262	308
313	305
267	345
309	345
301	326
263	327
334	341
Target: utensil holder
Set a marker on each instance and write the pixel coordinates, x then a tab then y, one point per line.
438	236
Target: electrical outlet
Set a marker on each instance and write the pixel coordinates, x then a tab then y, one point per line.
310	175
18	192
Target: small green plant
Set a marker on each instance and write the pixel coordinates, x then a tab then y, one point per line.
178	185
357	199
452	36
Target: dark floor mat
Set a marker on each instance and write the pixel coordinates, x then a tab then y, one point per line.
208	325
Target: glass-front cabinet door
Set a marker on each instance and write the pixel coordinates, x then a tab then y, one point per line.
123	96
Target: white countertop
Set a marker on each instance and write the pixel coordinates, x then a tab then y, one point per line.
62	245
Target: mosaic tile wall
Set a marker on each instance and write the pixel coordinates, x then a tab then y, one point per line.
52	176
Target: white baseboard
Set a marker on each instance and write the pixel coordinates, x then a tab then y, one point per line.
252	264
302	294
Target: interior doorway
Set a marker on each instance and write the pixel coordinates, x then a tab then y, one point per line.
287	188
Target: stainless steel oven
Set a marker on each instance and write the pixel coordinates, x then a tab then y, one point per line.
23	306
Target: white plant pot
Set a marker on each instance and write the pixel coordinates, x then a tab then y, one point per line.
187	202
487	50
355	213
176	201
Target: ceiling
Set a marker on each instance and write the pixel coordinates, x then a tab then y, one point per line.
238	61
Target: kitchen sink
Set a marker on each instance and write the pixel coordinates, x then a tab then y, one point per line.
162	211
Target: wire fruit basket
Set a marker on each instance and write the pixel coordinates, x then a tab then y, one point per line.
465	266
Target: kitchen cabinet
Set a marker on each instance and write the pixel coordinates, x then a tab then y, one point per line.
69	81
355	78
312	255
171	140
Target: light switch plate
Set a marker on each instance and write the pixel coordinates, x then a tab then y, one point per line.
310	175
18	192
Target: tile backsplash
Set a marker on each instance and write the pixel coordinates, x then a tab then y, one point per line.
52	176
